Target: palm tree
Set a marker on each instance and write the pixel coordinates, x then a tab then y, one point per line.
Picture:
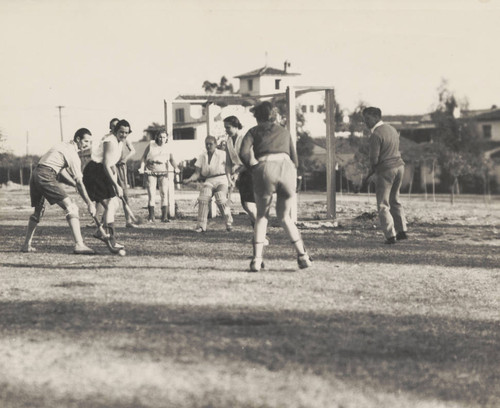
223	87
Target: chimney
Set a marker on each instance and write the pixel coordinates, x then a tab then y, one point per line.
286	65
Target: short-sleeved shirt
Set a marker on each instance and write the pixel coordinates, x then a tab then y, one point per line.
98	153
158	153
63	155
216	167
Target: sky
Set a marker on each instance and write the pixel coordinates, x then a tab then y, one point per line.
101	59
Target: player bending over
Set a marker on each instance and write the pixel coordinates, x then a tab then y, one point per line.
61	162
100	177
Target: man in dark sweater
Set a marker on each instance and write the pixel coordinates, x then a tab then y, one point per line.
388	168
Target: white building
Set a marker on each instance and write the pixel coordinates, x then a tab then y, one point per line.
190	113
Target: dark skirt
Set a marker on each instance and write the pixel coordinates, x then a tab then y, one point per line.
245	186
99	186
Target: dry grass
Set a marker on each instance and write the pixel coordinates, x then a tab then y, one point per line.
180	323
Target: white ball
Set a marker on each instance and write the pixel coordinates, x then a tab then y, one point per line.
122	252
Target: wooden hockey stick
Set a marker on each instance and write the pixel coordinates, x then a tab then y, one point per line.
136	219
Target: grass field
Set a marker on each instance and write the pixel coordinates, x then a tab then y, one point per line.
179	322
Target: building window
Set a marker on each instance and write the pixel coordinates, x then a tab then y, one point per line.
487	131
250	84
179	115
277	83
311	108
304	108
184	134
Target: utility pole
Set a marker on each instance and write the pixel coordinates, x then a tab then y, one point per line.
60	121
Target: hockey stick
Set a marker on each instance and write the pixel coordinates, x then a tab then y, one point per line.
105	238
230	194
136	219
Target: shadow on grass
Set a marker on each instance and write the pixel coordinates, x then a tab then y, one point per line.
360	246
431	357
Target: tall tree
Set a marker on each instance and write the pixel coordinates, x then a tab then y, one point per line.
152	131
223	87
3	148
459	151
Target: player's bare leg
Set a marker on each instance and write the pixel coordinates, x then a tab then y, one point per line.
283	206
32	224
73	219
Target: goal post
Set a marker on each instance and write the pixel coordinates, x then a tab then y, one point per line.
167	105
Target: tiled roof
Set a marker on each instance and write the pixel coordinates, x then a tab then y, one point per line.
221	99
265	71
493	114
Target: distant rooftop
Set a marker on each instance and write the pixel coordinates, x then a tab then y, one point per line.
220	99
266	71
483	115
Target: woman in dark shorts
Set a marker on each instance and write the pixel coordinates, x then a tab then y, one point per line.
275	172
100	176
238	174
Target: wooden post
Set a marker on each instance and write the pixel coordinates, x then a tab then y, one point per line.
331	211
212	212
169	127
292	128
425	179
433	181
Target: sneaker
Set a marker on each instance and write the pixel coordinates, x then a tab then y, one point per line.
165	220
390	241
199	229
82	249
256	264
229	227
304	261
401	236
115	244
130	225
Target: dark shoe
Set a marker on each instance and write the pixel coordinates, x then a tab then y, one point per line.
401	236
391	240
151	211
304	261
99	236
164	214
28	248
256	264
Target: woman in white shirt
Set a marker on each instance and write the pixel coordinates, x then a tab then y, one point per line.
155	164
211	166
100	179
